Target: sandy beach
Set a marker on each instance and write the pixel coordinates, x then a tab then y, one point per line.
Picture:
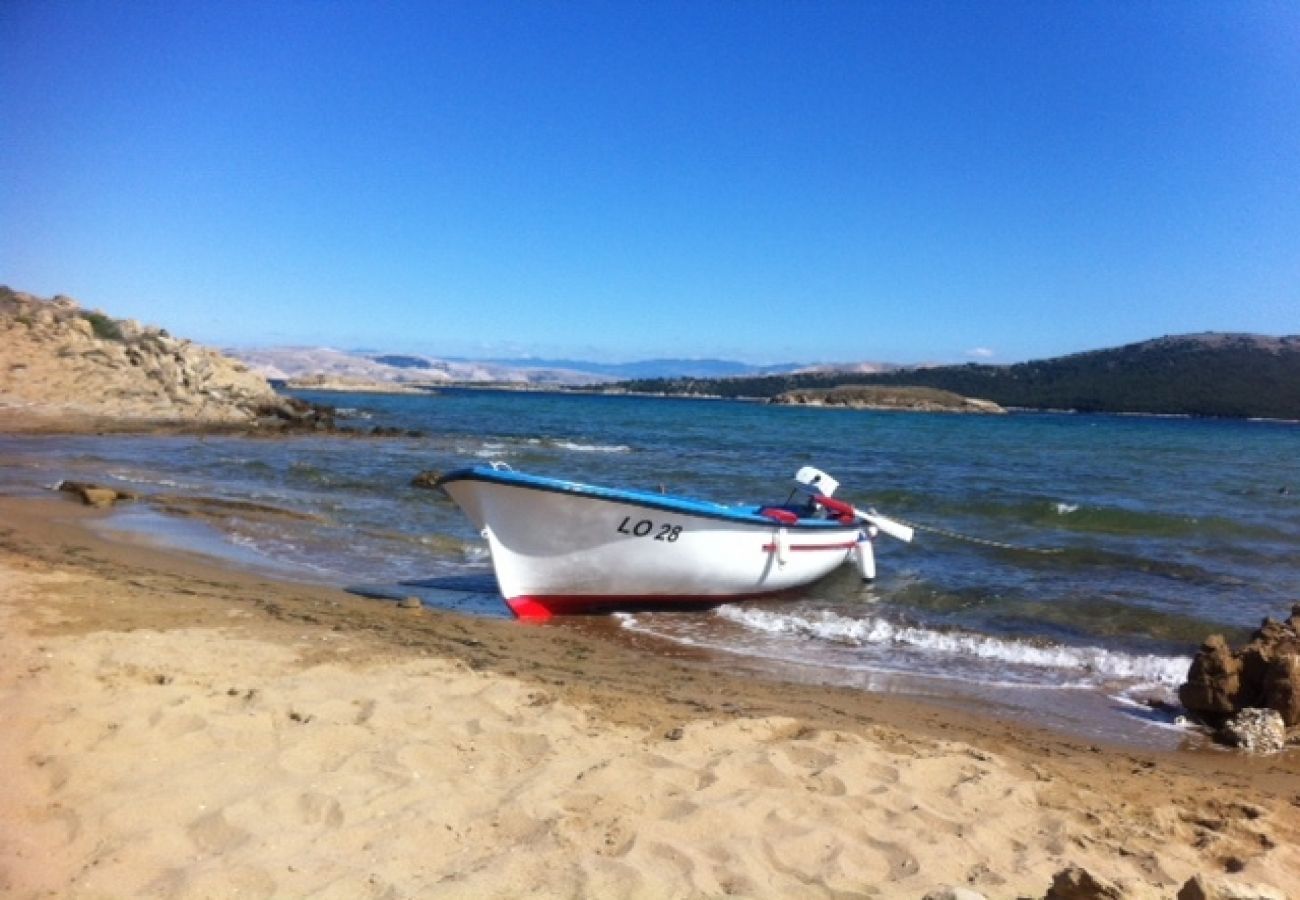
175	728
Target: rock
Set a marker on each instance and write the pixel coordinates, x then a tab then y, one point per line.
1263	674
1213	681
1282	687
100	497
1077	883
428	479
1255	731
1200	888
410	603
95	494
954	893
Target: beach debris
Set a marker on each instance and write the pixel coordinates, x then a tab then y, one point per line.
674	734
1263	674
1077	883
96	495
410	603
1199	887
1255	731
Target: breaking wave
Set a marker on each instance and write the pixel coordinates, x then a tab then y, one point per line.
1089	661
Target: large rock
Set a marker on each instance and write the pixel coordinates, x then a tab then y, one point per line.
1199	887
1264	674
1077	883
1255	731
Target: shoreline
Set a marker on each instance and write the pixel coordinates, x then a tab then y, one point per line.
961	798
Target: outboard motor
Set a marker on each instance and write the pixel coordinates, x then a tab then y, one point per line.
815	481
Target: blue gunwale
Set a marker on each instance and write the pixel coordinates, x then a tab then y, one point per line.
748	515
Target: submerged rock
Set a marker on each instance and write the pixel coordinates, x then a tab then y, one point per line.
1264	674
428	479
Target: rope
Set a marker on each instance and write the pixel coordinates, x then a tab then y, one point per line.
970	539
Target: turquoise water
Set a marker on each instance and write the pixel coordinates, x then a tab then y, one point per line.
1162	530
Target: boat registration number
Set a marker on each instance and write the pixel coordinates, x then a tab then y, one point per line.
645	528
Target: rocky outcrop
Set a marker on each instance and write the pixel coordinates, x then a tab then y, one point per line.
62	363
1263	674
911	399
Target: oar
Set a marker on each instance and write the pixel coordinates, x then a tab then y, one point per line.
896	530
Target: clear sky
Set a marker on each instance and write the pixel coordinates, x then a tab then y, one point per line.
810	181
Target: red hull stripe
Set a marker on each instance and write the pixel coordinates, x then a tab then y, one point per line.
539	609
848	545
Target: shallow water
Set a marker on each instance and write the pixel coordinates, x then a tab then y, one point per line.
1161	530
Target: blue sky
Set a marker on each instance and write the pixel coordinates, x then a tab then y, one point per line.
765	181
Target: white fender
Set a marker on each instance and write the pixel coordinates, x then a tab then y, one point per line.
782	546
866	555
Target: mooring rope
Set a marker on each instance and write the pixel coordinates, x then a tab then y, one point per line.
971	539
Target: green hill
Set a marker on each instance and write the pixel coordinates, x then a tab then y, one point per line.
1211	374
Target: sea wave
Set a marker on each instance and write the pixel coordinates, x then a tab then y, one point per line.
140	479
579	447
1090	661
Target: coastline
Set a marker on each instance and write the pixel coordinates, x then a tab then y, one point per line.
186	728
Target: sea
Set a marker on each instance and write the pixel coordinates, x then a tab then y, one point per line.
1064	571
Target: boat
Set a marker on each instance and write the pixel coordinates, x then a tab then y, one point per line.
562	547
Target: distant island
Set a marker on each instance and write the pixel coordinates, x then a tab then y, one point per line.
1210	374
881	397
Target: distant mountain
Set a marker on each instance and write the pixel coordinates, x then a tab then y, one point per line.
647	368
298	364
1209	374
301	363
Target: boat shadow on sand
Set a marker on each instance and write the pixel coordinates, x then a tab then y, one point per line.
475	595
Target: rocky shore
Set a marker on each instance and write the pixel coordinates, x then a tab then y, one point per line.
66	368
1250	695
875	397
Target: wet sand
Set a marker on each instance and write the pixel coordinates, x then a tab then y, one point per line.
176	727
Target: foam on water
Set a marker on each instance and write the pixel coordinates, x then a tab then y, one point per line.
1090	662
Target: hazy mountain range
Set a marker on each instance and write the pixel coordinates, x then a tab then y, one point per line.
295	364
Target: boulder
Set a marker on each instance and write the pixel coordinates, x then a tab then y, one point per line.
1214	680
1264	674
1077	883
95	494
1255	731
954	893
1201	888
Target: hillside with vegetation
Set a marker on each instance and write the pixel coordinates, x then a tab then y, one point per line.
1211	374
65	368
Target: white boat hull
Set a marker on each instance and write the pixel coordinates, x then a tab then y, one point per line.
558	548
